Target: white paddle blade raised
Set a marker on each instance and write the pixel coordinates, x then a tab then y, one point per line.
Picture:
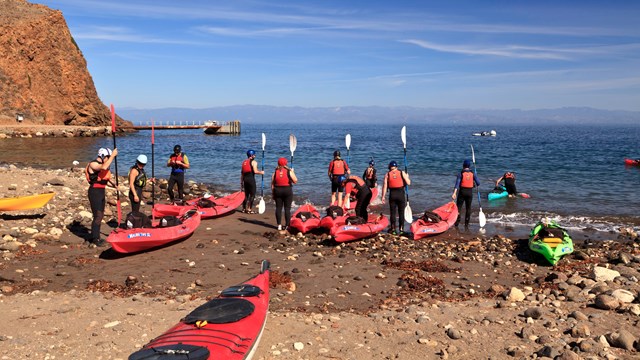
482	219
473	155
264	141
347	203
408	214
293	143
403	135
261	206
347	141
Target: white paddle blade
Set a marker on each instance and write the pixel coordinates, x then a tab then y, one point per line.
482	219
403	135
347	203
264	141
408	214
293	143
473	155
261	206
347	140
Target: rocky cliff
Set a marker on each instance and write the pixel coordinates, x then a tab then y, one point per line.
43	74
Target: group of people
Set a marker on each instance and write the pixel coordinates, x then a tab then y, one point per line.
344	186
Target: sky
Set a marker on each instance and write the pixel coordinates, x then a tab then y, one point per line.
476	54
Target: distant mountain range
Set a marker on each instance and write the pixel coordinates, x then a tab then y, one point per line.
380	114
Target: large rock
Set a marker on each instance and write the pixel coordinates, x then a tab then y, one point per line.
603	274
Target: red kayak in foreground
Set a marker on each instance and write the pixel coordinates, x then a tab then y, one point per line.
221	206
425	226
305	218
375	224
632	162
139	239
227	327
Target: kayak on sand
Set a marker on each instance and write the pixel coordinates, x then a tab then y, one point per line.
226	327
435	222
305	218
550	240
220	206
348	232
139	239
25	202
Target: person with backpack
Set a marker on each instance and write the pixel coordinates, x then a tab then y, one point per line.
337	168
137	182
509	179
282	182
179	163
99	176
356	187
395	180
248	181
465	181
370	175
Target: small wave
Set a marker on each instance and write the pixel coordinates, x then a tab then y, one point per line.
581	223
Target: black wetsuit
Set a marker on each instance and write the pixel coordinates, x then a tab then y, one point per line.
139	183
465	195
363	198
249	184
510	184
97	201
397	203
283	195
370	181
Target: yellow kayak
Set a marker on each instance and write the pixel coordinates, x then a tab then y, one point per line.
25	202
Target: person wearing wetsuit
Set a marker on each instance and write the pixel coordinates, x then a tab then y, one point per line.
357	187
370	175
509	183
337	168
248	181
395	180
137	182
98	175
179	163
465	181
282	182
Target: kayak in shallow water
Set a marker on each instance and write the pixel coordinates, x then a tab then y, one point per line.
632	162
227	327
500	192
25	202
435	222
550	240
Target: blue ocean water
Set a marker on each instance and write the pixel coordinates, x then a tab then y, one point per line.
574	174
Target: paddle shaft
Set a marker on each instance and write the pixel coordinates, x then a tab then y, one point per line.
153	168
262	180
115	160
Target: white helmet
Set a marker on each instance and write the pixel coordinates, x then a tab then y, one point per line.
206	195
142	159
104	152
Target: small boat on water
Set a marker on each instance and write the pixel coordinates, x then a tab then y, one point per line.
226	327
485	133
632	162
212	127
25	202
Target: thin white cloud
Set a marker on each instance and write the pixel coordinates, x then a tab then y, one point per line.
121	34
512	51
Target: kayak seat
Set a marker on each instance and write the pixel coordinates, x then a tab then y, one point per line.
241	291
552	241
304	215
221	311
172	352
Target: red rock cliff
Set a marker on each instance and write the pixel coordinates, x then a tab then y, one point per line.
43	73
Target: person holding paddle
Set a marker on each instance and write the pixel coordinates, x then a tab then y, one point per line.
282	182
337	168
99	176
137	182
465	181
179	163
248	181
395	180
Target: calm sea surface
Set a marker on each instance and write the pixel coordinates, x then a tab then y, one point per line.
574	174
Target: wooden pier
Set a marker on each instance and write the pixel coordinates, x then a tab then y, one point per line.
209	127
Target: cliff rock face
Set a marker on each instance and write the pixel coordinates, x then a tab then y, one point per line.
43	74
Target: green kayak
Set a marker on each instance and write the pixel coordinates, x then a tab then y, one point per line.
550	240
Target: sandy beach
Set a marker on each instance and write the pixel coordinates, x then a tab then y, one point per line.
455	296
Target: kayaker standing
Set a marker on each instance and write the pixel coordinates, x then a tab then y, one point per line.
282	182
99	176
356	187
509	183
137	182
465	181
179	163
395	180
370	175
248	182
337	167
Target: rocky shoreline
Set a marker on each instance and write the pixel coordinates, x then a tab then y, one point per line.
455	296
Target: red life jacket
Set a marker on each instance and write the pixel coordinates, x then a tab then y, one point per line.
247	166
466	179
337	167
369	173
509	175
353	184
281	177
178	157
98	179
394	179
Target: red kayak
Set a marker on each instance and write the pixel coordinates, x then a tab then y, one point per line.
226	327
427	225
138	239
335	219
374	195
220	206
632	162
305	218
375	224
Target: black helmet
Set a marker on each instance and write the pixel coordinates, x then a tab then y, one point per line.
393	164
177	148
336	153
